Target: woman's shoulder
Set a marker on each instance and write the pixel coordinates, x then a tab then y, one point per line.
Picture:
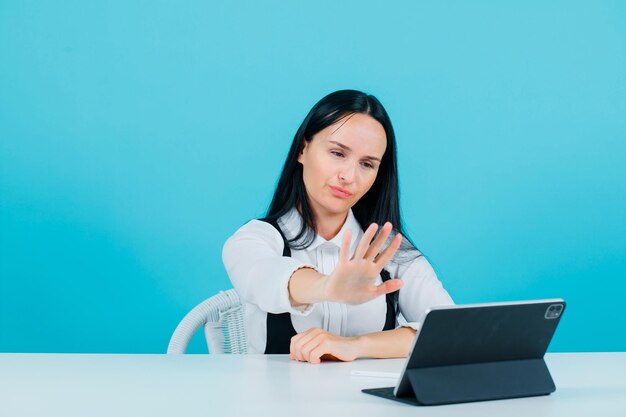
256	231
410	260
406	253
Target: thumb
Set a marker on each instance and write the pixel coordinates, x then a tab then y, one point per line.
389	286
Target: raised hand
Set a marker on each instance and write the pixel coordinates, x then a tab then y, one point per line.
354	279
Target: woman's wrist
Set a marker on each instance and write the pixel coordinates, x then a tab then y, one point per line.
360	345
386	344
307	286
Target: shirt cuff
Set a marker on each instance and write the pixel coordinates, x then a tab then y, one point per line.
415	325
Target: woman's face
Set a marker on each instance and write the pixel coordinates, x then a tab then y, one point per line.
341	162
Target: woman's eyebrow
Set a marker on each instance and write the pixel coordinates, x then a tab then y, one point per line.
342	146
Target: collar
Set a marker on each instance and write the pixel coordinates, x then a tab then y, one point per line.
291	222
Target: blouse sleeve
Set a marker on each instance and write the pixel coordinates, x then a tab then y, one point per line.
258	271
421	290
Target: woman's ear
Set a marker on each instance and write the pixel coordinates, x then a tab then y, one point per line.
301	154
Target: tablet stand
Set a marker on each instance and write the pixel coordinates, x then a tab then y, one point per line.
480	381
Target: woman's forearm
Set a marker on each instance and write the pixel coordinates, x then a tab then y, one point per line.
387	344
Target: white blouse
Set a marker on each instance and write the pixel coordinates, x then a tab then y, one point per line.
260	274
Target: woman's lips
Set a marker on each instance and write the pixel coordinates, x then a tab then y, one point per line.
340	192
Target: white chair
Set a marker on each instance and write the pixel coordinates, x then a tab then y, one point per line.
223	320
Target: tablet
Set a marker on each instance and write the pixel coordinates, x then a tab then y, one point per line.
478	352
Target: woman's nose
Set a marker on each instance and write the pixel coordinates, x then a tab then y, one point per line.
346	174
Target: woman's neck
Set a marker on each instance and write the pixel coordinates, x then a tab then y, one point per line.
330	224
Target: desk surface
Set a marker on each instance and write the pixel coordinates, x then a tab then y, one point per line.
217	385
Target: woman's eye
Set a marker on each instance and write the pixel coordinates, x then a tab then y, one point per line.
339	154
367	165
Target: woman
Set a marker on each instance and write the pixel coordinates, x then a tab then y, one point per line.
313	283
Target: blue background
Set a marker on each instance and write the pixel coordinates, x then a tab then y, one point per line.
137	136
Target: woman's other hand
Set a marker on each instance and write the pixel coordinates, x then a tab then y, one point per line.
316	345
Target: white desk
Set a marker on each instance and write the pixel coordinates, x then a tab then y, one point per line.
588	384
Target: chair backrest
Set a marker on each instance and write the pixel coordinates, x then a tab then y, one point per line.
222	317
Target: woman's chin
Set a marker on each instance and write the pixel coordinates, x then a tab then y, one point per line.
331	205
337	207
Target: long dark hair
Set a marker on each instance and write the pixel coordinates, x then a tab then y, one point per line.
379	205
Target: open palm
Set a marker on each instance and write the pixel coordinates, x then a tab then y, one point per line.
354	279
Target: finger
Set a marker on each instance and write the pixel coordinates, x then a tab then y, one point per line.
299	340
378	243
316	341
366	239
386	255
316	354
293	354
297	337
344	252
326	352
389	286
293	345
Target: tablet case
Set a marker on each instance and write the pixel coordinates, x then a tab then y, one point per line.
479	352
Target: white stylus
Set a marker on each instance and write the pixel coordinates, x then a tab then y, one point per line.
393	375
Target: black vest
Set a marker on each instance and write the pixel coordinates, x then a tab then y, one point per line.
280	330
